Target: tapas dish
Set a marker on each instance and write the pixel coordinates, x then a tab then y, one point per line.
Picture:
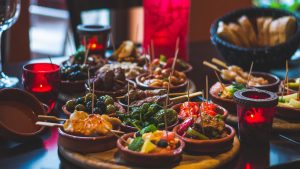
132	70
292	86
207	133
289	106
148	113
102	105
159	79
151	147
192	109
164	63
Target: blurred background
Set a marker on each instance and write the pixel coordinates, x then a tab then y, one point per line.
47	27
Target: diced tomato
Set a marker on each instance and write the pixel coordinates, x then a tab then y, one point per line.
209	108
168	135
188	109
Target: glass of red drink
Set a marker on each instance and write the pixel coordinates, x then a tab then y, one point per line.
42	80
255	110
165	21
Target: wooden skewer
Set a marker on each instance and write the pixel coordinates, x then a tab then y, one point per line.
128	98
152	49
206	87
184	96
224	88
170	94
200	113
51	118
212	66
89	80
219	62
93	98
87	49
250	72
188	91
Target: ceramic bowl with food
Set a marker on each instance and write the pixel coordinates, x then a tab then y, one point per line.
264	58
288	106
293	85
273	81
149	159
218	109
208	146
19	113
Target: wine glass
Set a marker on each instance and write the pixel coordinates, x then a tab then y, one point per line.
9	13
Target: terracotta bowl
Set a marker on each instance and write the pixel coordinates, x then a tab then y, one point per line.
208	146
113	93
19	113
274	81
67	86
228	104
128	129
179	88
282	86
120	108
220	110
83	144
151	159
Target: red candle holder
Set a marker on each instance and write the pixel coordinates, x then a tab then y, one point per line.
94	37
42	80
255	109
165	22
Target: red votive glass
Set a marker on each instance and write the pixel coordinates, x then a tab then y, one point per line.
42	80
165	21
255	110
94	37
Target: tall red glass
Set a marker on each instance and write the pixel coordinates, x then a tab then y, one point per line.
42	80
165	21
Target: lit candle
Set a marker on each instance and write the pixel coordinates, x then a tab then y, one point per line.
254	116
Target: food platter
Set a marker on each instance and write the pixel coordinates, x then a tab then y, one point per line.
111	159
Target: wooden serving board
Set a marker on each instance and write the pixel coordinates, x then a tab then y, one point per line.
111	159
279	124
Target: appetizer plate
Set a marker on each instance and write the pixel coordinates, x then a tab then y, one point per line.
179	88
111	159
19	113
208	146
83	144
150	159
220	110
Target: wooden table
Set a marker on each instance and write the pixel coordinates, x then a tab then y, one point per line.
42	151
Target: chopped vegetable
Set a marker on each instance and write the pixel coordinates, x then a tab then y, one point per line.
136	144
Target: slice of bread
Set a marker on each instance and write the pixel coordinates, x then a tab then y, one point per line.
265	31
239	32
260	35
274	32
225	33
248	29
287	27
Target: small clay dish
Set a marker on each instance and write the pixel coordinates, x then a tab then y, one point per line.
273	80
220	110
128	129
19	113
84	144
150	159
178	88
112	93
228	104
120	108
290	90
212	146
67	86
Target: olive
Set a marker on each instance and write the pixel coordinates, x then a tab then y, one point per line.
79	100
137	134
75	67
70	105
102	98
79	107
89	97
162	143
97	110
88	106
109	100
110	109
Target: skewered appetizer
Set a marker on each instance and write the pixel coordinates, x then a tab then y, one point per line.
152	140
164	63
132	70
102	105
290	101
237	74
127	52
160	78
84	124
148	113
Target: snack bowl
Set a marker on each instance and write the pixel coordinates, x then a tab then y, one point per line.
84	144
273	80
220	110
178	88
212	146
150	159
264	58
19	113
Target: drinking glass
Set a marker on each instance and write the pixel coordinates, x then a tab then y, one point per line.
9	13
42	80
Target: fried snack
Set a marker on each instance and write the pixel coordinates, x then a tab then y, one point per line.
239	32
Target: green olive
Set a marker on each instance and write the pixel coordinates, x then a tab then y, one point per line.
70	105
89	97
79	107
110	109
108	100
